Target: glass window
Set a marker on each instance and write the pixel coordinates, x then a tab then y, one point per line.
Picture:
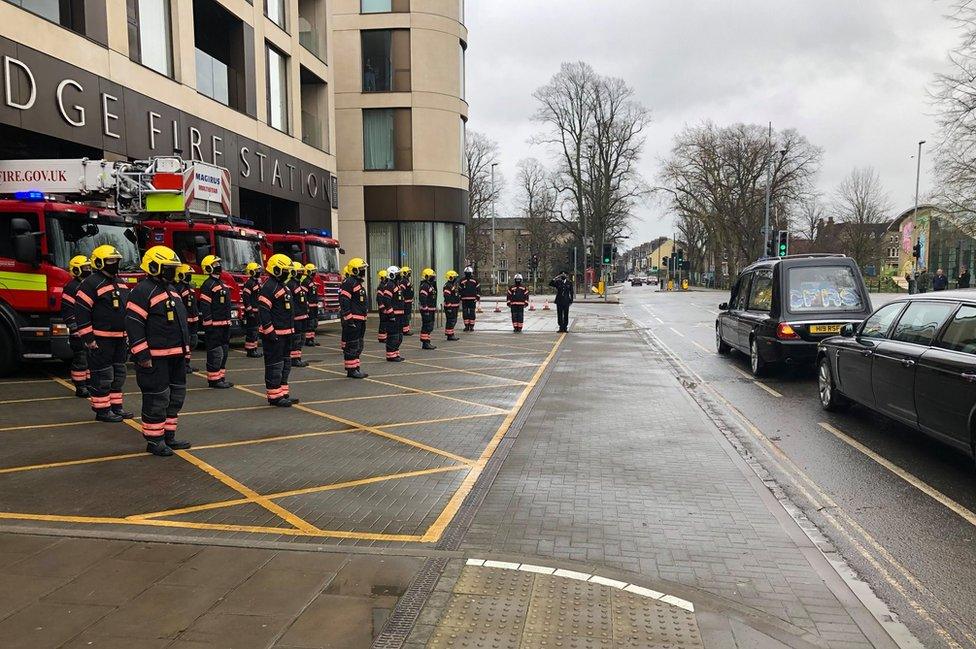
879	323
376	6
462	69
67	13
742	293
67	238
236	252
761	292
312	30
377	60
416	245
275	10
461	11
212	77
960	335
378	135
823	289
220	54
325	259
922	321
150	39
277	89
464	144
380	246
443	253
185	245
459	241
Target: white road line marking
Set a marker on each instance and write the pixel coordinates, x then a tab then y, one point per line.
743	373
572	574
612	583
507	565
928	490
768	389
701	347
659	321
646	592
676	331
542	570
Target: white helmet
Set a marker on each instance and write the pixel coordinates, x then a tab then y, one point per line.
392	270
468	269
518	277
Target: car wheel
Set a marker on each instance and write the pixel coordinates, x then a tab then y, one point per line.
720	345
756	364
830	399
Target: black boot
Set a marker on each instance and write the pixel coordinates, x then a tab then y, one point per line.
253	353
81	392
297	362
281	402
356	374
427	345
175	444
316	343
158	447
309	342
220	385
407	333
396	359
108	416
453	337
124	414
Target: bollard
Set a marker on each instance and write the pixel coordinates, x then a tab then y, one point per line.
545	306
531	306
498	309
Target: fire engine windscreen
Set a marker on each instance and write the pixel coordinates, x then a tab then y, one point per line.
236	252
69	236
325	259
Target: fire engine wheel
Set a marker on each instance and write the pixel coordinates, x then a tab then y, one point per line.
8	359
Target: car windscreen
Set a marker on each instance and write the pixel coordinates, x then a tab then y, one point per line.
235	253
325	259
69	236
823	289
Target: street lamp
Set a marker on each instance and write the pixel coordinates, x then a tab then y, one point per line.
494	269
918	174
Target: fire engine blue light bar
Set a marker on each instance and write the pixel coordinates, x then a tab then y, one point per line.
32	195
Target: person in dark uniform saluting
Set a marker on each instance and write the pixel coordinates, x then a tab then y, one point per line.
564	297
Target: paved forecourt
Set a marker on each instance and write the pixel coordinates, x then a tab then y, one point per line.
387	460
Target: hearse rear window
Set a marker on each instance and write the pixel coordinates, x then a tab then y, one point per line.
823	289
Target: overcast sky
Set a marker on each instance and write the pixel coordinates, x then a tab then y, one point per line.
851	75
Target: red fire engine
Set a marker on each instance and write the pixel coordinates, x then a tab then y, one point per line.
312	247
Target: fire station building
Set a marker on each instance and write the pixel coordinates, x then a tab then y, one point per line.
250	85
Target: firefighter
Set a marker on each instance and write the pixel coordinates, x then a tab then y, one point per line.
314	302
189	296
517	300
277	326
380	294
299	291
452	302
470	290
392	306
346	273
156	322
80	268
249	302
406	286
353	307
100	317
428	306
215	312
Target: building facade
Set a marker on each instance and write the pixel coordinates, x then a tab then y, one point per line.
400	120
241	85
943	242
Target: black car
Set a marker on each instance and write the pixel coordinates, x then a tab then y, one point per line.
636	281
780	309
913	360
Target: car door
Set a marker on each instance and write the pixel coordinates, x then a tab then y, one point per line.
736	312
896	359
853	362
758	305
945	381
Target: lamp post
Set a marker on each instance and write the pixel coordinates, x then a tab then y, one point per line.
918	175
494	269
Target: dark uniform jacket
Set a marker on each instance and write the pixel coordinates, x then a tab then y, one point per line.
564	290
215	303
156	321
382	298
299	292
100	307
189	296
452	295
249	295
68	304
275	309
407	288
470	289
395	302
518	295
353	304
428	295
314	301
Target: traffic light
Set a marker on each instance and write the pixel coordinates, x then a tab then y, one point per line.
534	262
770	246
917	250
782	243
607	253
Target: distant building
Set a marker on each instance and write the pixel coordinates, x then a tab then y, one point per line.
945	243
517	239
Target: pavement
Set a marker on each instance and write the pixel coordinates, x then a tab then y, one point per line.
531	490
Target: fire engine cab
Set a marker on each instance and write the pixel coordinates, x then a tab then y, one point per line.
312	247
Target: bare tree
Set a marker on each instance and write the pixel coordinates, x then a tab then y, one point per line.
595	128
807	218
537	202
715	180
862	207
480	153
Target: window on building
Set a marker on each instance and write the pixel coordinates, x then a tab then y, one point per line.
387	139
220	54
312	28
462	69
386	60
150	34
277	88
384	6
315	110
275	11
67	13
464	145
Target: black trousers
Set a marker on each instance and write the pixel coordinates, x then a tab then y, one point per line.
394	337
217	340
426	324
518	317
107	366
79	362
382	331
562	315
450	320
276	369
353	332
313	323
251	324
406	317
469	311
298	339
163	392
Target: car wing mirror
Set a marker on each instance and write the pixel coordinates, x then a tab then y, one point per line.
847	331
724	306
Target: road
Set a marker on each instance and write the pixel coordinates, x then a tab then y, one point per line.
897	505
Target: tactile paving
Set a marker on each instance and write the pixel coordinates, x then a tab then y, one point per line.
495	583
644	622
473	612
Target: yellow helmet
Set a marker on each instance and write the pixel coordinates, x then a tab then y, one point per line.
278	265
102	254
451	274
253	269
183	272
405	270
311	269
77	265
357	266
208	263
382	274
345	271
297	270
156	258
428	273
